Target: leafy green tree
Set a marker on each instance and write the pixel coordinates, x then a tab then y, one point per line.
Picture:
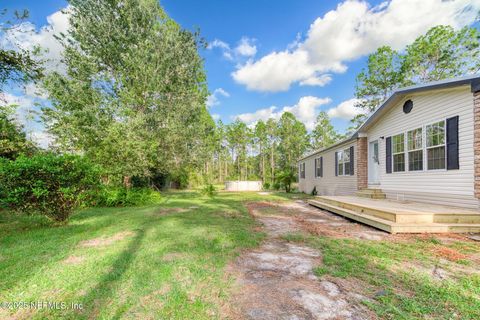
239	137
133	97
293	141
13	140
442	53
324	134
16	66
272	143
439	54
261	141
286	178
377	81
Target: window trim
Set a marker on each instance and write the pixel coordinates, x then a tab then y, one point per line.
302	170
426	148
317	165
422	148
397	153
340	160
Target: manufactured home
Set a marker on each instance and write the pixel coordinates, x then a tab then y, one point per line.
422	145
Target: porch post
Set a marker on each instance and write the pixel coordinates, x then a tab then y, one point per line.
362	162
476	142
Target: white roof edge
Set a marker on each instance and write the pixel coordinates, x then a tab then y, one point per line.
473	80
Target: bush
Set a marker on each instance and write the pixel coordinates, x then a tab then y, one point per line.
53	185
209	190
286	178
276	186
266	186
122	197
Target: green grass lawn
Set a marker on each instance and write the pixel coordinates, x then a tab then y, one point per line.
162	261
397	274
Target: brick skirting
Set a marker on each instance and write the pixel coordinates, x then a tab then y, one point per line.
362	161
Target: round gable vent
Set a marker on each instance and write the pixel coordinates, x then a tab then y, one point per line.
408	106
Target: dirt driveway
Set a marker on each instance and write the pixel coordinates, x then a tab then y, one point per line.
276	280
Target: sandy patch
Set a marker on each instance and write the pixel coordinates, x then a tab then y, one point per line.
74	260
276	280
105	241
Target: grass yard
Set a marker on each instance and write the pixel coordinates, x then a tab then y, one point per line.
162	261
406	277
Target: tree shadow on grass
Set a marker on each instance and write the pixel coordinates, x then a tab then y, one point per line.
95	300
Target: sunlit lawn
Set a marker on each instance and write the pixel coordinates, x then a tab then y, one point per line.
163	261
396	275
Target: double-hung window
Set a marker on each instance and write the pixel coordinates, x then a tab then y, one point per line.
302	170
318	167
343	158
435	134
398	151
415	149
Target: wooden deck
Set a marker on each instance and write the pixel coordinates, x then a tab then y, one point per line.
401	217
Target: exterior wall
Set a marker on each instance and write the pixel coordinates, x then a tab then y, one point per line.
329	184
448	187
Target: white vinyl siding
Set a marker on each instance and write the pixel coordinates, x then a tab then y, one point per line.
329	184
449	187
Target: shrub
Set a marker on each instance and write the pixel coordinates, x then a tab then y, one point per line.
209	190
266	186
276	186
122	197
286	178
53	185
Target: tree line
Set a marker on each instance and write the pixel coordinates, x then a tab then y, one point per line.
132	99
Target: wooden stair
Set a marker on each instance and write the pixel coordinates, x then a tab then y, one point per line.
371	193
400	222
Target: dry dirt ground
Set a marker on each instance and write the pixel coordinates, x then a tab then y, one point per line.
276	280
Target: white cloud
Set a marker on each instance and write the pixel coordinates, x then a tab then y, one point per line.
345	110
320	81
352	30
306	110
215	116
246	47
212	100
26	36
225	47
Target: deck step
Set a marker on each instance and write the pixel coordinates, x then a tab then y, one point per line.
371	193
396	227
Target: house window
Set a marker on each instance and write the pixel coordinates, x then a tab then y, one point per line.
398	151
436	145
302	170
318	167
344	162
415	149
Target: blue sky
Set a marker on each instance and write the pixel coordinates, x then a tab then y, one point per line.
266	57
